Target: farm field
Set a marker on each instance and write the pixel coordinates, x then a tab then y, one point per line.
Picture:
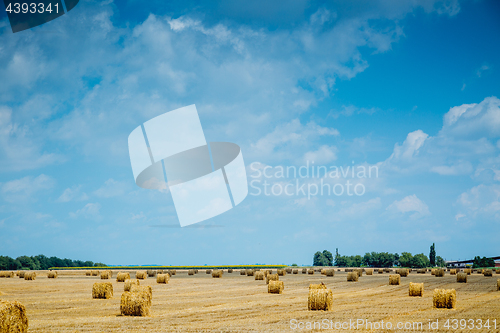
236	303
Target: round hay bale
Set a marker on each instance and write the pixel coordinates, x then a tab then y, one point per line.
281	272
151	273
217	273
330	272
162	278
275	287
323	271
272	277
359	271
129	283
403	272
259	275
444	298
288	270
135	304
439	272
160	271
250	272
387	270
295	271
88	273
52	275
352	276
468	271
230	270
13	317
208	271
416	289
21	274
320	299
7	274
317	286
94	273
304	270
102	290
141	275
191	272
310	271
394	279
380	271
462	277
488	272
105	275
121	277
30	275
172	272
498	270
369	271
421	271
243	272
453	271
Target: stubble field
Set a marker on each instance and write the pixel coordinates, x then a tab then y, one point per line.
237	303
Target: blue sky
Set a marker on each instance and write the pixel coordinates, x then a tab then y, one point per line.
412	90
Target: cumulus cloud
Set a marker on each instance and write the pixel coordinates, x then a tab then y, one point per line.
73	193
409	204
89	211
323	155
111	188
20	190
481	200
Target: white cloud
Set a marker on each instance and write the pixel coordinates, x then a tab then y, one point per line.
323	155
351	110
89	211
73	194
21	190
111	188
481	200
409	204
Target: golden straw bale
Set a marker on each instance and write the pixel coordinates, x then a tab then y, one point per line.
369	271
94	273
330	272
421	271
250	272
416	289
317	286
439	272
498	270
208	271
310	271
488	272
105	275
88	273
380	271
288	270
281	272
30	275
433	271
295	271
7	274
394	279
135	304
129	283
323	271
275	287
304	270
462	277
403	272
21	274
468	271
243	272
162	278
453	272
320	299
259	275
359	271
141	275
230	270
52	275
173	272
151	273
217	273
191	272
102	290
352	276
121	277
13	317
444	298
272	277
159	271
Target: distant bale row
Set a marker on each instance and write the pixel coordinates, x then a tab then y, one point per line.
13	317
275	287
7	274
102	290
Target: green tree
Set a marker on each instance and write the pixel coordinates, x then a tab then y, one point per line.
420	261
440	262
405	260
319	259
432	255
328	257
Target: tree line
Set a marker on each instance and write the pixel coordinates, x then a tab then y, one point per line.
42	262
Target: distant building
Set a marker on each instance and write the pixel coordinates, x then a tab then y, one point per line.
497	263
